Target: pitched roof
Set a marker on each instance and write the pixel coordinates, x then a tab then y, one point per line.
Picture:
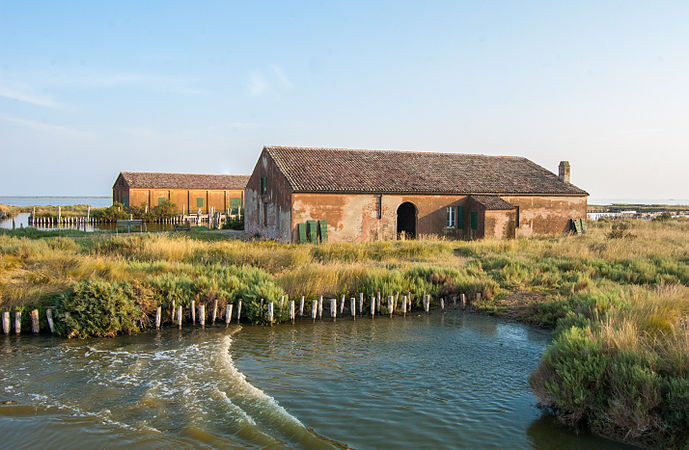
183	180
492	202
385	171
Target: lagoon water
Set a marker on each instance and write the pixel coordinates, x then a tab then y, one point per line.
443	380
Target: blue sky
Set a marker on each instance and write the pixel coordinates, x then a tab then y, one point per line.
91	88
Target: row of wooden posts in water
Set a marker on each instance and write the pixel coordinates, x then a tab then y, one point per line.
176	312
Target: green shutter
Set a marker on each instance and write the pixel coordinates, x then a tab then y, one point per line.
474	220
460	217
583	225
199	202
312	226
323	229
235	204
160	200
301	229
125	202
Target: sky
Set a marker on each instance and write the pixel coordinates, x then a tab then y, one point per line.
88	89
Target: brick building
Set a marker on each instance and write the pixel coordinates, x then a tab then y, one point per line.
190	192
361	195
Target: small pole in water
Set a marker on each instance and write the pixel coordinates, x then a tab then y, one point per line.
464	301
6	322
342	300
361	302
270	313
193	312
394	304
314	310
215	311
18	322
320	307
442	304
454	301
172	312
49	317
404	306
291	310
378	302
159	313
179	316
34	322
239	310
390	310
352	307
202	315
282	301
301	307
333	308
228	315
373	306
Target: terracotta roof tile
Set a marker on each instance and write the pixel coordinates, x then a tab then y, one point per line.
492	202
164	180
384	171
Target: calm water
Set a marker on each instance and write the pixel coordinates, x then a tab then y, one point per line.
445	380
96	202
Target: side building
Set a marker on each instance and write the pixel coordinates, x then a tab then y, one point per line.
364	195
190	192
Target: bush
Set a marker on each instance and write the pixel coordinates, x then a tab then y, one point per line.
98	308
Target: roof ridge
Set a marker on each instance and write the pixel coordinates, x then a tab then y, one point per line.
418	152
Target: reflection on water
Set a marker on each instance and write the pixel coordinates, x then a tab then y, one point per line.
444	380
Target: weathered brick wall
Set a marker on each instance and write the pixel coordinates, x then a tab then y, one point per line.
268	214
499	224
547	214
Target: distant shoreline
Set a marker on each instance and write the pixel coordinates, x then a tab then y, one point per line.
54	196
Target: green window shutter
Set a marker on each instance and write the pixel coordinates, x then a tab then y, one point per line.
235	204
323	229
312	226
199	202
301	228
160	200
460	217
125	202
474	220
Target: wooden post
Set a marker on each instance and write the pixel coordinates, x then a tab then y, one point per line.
282	302
361	302
464	301
454	301
394	304
442	304
291	310
342	300
404	306
378	302
301	307
49	317
426	303
172	312
270	313
159	312
239	310
179	316
202	315
390	309
314	310
409	300
352	307
18	322
6	322
333	308
215	311
320	307
35	326
478	297
228	315
373	306
193	312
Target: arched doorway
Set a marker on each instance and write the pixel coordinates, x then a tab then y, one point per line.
406	221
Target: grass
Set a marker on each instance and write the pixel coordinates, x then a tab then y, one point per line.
618	302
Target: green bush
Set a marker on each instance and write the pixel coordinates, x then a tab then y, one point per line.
98	308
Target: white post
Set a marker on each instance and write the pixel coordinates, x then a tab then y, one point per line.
378	302
35	328
270	313
49	316
333	308
18	322
320	307
6	322
159	313
179	316
342	300
361	302
404	306
193	312
442	304
239	310
228	315
373	305
314	310
464	301
215	311
390	300
301	306
172	312
352	307
291	310
202	315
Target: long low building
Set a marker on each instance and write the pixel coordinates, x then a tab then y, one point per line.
297	194
190	192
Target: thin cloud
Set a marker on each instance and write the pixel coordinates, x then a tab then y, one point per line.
26	95
257	84
281	76
50	128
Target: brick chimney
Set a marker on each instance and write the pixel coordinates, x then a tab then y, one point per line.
563	172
